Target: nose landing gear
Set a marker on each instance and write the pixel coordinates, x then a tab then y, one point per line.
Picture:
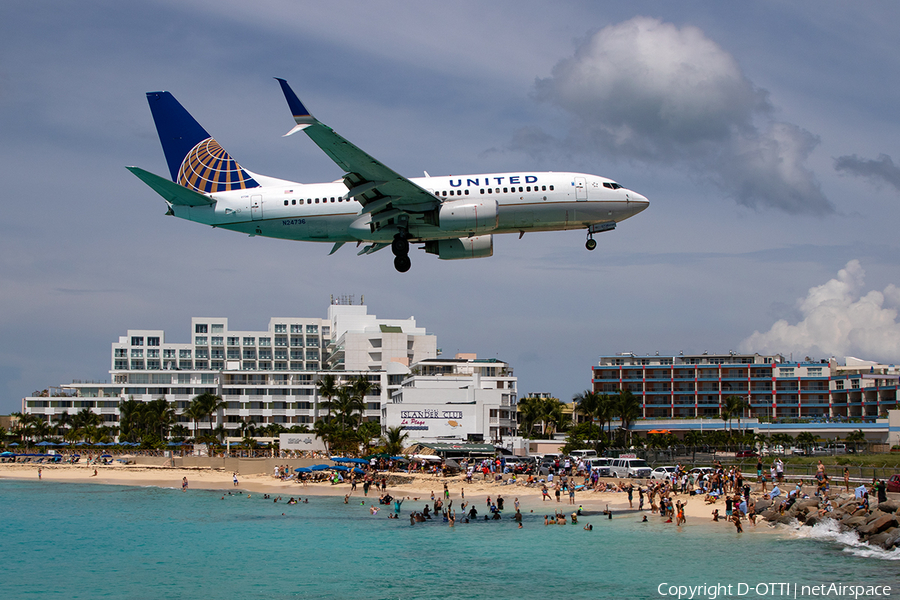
400	248
591	243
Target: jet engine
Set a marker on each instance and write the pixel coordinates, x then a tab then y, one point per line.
479	246
471	216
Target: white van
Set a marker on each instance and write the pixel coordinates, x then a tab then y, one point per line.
599	464
630	467
576	454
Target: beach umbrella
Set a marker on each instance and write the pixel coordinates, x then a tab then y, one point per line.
358	471
358	461
44	444
340	468
7	453
106	456
320	467
14	444
302	470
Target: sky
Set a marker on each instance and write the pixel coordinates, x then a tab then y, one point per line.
764	135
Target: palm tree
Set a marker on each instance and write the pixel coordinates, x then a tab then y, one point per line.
734	407
806	440
855	438
326	388
628	409
131	419
346	405
551	415
393	440
368	431
160	417
693	439
326	431
587	403
195	412
528	410
208	406
63	423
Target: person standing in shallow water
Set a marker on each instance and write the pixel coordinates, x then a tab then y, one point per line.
184	484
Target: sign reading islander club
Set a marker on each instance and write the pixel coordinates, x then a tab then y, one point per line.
308	442
430	421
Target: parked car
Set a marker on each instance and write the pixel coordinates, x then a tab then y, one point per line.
630	467
599	464
893	484
746	454
662	472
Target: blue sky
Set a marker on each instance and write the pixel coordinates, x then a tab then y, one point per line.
765	137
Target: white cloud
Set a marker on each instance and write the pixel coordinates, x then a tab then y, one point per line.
839	319
652	91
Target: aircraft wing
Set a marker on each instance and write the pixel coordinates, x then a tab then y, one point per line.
377	187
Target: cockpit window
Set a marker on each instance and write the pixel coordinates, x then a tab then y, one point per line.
611	185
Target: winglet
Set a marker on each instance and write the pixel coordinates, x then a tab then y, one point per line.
301	115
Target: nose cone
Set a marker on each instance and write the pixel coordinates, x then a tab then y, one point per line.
637	202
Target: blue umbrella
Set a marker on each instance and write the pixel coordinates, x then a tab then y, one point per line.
14	444
302	470
340	468
44	444
320	467
359	461
358	471
7	453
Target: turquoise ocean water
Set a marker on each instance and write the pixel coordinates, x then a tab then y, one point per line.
92	541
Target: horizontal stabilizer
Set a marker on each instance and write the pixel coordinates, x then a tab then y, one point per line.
171	191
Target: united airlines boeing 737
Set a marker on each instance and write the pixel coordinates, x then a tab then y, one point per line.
372	205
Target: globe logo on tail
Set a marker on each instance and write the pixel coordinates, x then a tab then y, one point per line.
208	168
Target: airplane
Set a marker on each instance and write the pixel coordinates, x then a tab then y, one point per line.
453	217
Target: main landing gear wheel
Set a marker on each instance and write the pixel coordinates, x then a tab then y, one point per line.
590	244
402	263
400	246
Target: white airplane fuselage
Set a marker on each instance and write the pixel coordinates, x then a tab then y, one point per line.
487	204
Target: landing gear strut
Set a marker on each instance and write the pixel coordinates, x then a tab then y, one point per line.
400	248
590	244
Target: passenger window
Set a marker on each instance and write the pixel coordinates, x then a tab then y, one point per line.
285	203
505	190
528	189
543	188
497	191
294	201
490	190
482	190
551	188
332	198
520	188
467	192
317	200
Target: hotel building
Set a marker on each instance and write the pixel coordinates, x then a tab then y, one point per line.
264	377
697	385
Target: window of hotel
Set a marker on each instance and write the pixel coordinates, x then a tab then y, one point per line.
153	353
234	353
296	328
169	353
121	352
854	383
217	340
312	329
200	328
281	340
814	372
217	365
281	354
839	384
265	341
137	341
264	354
312	342
137	365
280	328
184	354
201	353
249	366
249	341
217	328
201	364
184	364
121	365
326	330
296	354
137	353
312	355
200	340
233	341
217	353
153	365
296	366
786	372
249	354
153	341
296	341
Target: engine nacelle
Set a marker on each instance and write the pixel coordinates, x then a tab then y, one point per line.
471	216
479	246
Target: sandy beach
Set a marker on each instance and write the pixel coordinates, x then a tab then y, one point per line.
417	488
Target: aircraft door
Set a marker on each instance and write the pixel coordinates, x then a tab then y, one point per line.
256	208
580	188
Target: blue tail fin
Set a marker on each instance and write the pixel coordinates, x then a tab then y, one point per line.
195	159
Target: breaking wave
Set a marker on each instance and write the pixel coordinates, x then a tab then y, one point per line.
830	531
